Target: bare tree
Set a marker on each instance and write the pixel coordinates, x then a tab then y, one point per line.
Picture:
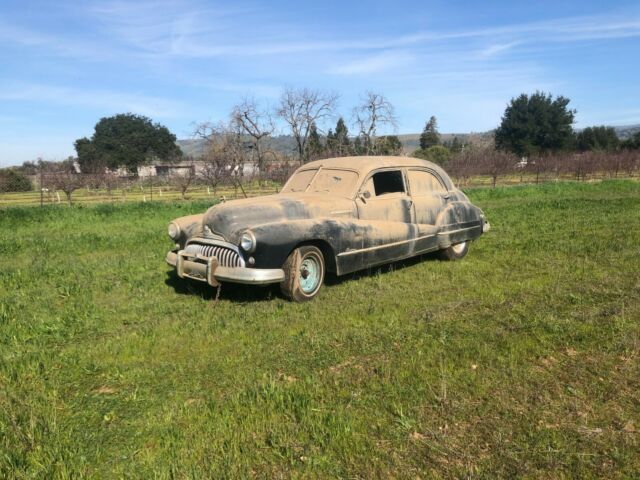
302	108
185	178
64	177
374	112
225	154
250	119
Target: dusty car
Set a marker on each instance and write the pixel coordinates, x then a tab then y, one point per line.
336	215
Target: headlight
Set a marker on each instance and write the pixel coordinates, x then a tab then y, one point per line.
174	231
248	241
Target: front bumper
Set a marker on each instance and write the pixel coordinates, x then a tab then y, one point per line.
206	269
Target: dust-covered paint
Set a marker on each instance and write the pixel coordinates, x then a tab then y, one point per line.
343	214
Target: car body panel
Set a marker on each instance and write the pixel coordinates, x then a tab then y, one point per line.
355	230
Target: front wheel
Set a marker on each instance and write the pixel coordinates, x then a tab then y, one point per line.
303	274
455	252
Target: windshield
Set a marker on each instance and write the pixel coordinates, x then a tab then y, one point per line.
327	180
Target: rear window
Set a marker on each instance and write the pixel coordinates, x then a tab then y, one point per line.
423	182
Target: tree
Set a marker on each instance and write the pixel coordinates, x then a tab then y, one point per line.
436	154
88	158
342	143
388	145
535	124
314	145
455	145
63	176
257	123
224	152
598	138
185	178
301	108
374	112
430	136
126	140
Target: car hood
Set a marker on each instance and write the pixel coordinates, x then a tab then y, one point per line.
231	218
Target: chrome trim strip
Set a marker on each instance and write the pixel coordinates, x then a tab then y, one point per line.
250	276
458	230
377	247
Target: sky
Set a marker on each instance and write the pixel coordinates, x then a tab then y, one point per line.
66	64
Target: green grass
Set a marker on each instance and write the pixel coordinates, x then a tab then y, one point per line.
522	360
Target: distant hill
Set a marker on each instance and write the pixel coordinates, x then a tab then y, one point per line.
285	144
627	131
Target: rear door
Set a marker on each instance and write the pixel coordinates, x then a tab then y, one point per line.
386	207
430	197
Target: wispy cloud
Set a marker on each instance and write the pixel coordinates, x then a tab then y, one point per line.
382	62
496	49
192	30
98	99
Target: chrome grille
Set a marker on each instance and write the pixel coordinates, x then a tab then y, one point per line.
227	256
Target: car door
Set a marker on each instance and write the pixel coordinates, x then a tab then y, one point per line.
430	197
386	208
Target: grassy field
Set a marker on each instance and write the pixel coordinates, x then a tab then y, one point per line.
522	360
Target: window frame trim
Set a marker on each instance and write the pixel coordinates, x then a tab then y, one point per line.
405	182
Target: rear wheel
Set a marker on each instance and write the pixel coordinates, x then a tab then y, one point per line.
455	252
303	274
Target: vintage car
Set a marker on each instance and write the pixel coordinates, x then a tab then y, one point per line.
336	215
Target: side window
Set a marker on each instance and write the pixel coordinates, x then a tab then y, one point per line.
423	182
388	182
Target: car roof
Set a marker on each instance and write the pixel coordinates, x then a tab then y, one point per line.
365	164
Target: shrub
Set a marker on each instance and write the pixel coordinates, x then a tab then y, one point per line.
13	181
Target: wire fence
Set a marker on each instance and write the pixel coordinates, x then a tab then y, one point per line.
474	168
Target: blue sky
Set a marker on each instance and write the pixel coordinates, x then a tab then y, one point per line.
66	64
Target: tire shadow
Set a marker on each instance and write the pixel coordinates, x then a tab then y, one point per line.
234	292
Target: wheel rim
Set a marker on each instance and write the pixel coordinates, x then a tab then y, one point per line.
459	248
310	272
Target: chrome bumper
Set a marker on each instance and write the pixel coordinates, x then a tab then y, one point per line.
206	269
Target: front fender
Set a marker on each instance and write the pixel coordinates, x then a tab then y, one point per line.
275	241
190	226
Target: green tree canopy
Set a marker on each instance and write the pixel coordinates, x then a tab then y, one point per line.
12	180
388	145
436	154
455	145
535	124
598	138
126	140
430	136
314	145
